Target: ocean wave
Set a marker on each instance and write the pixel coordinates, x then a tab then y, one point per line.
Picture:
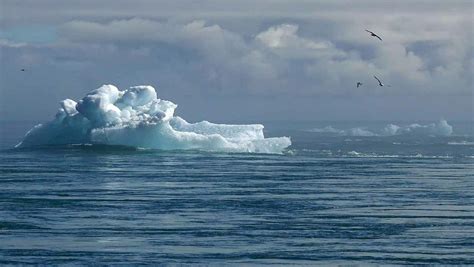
461	143
136	117
375	155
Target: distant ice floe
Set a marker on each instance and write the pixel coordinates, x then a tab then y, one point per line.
137	117
441	128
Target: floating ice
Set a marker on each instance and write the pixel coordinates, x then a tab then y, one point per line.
441	128
360	132
328	129
136	117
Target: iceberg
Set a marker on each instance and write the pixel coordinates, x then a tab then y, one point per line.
137	117
440	128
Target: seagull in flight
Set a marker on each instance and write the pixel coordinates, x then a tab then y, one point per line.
359	84
380	83
373	34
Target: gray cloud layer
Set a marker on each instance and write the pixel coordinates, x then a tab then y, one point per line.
267	55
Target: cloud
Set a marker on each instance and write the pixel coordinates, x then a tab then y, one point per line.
285	35
296	50
279	59
284	41
219	57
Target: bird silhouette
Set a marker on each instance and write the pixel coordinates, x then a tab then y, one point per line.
359	84
380	83
373	34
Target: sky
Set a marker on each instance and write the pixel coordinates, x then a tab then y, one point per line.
245	61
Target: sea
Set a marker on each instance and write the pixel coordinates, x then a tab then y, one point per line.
341	194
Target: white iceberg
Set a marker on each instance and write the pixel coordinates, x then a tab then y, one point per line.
441	128
136	117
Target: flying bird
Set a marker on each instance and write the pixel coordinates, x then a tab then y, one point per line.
380	83
373	34
22	69
359	84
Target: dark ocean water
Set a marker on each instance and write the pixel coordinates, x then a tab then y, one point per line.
331	199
